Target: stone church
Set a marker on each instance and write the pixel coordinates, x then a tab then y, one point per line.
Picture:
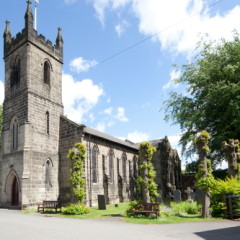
36	136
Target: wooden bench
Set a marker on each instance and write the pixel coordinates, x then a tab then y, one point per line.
147	208
49	205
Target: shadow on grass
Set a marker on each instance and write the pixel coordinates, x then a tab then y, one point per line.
112	215
190	216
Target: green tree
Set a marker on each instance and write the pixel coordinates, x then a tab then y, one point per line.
212	100
192	167
76	155
147	174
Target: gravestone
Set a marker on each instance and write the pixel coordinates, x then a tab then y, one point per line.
198	195
177	195
101	202
193	195
188	192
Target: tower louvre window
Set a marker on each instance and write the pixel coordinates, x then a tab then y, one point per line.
47	123
46	74
15	73
15	135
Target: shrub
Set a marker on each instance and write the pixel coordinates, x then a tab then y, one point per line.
184	208
230	186
75	209
131	207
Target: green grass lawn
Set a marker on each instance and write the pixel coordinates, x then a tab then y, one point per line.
119	211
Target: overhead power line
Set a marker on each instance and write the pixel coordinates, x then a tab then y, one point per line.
155	34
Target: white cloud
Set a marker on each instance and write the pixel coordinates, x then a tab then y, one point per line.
79	65
121	115
108	111
175	74
112	116
121	27
101	6
70	1
137	137
1	92
178	23
79	97
223	165
91	117
108	100
174	140
101	127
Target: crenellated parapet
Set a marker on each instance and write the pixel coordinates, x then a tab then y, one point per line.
30	35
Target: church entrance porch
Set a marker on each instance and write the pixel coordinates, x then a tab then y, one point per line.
12	190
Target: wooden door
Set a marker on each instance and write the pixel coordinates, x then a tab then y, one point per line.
15	193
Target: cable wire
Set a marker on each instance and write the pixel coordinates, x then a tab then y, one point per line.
153	35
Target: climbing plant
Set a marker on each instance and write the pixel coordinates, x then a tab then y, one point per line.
76	155
232	151
205	179
145	181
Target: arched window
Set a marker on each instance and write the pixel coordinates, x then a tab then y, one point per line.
48	181
118	166
14	134
46	75
94	164
124	165
15	73
135	171
47	123
111	166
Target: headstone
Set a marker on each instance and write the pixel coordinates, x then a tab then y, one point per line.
177	195
101	202
188	192
198	195
193	195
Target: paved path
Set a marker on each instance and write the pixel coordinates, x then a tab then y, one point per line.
17	226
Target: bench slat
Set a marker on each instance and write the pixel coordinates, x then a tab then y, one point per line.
147	208
49	205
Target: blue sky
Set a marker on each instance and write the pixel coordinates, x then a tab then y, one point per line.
122	94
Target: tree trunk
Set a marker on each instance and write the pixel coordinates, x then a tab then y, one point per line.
206	205
232	167
145	192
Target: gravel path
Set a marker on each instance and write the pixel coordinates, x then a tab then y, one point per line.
15	225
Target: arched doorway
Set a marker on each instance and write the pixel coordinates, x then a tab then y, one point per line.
12	189
15	193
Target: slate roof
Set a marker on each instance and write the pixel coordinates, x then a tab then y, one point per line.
102	135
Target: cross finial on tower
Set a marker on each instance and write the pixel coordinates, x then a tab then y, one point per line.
59	40
7	31
29	16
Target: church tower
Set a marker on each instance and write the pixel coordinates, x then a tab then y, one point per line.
31	116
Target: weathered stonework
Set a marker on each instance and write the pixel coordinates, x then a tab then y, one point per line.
168	168
36	136
27	100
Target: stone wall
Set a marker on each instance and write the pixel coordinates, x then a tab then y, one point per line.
34	163
111	182
168	167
